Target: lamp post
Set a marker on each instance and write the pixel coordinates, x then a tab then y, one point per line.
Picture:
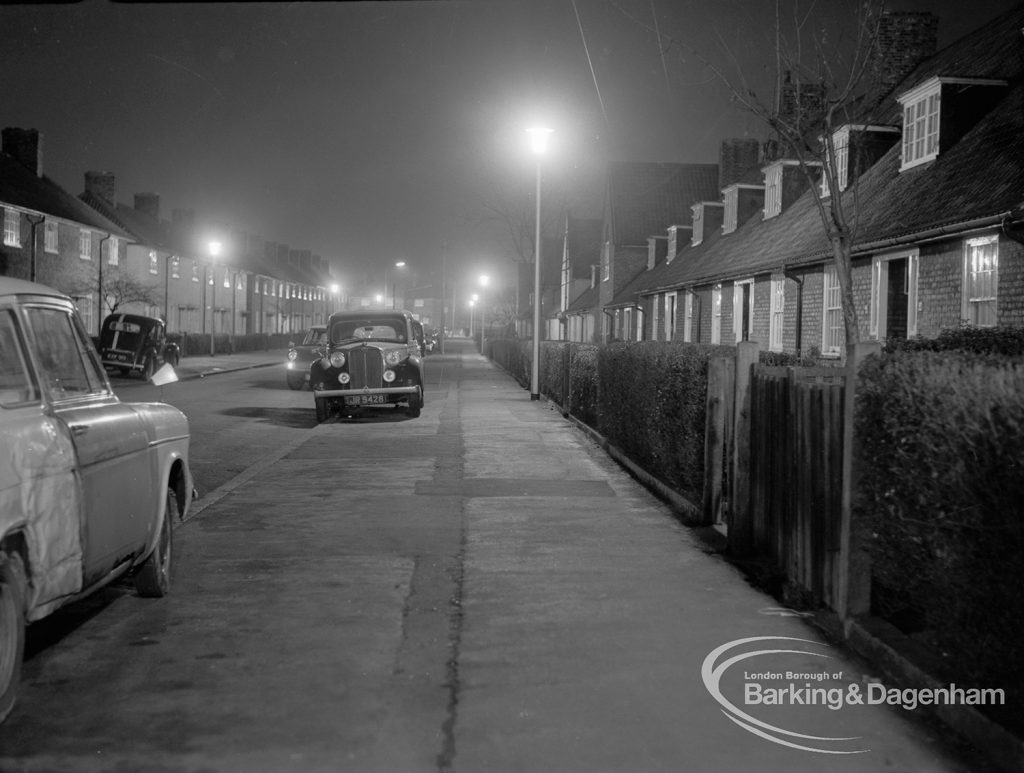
335	291
484	279
399	264
538	144
472	303
214	250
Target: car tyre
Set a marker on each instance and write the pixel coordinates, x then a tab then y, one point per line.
12	629
296	380
153	580
148	369
321	409
415	405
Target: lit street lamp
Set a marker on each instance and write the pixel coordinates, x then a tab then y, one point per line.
538	144
484	279
472	303
214	250
335	291
399	264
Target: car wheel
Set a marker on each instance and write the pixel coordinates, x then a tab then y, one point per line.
172	359
12	629
415	405
153	580
296	381
321	409
147	369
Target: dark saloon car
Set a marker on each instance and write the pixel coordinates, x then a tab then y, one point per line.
132	343
301	356
373	359
90	487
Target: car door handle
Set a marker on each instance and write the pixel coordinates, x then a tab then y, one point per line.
79	429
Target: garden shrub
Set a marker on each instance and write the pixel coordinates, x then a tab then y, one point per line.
1005	340
583	383
940	490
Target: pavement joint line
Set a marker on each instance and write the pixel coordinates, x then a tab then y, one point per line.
250	472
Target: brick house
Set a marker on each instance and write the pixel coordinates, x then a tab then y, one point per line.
937	185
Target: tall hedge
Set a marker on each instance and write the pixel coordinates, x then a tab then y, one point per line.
941	490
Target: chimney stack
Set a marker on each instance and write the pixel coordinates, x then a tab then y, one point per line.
148	204
736	157
102	185
905	39
26	147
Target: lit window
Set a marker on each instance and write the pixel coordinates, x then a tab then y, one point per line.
154	265
112	251
778	309
743	309
832	314
176	267
50	237
227	280
841	145
85	244
12	228
981	280
716	314
195	271
670	316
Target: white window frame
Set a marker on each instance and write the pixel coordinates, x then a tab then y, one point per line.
85	244
113	254
716	314
175	267
640	329
731	198
154	264
51	236
880	292
671	306
698	224
772	191
195	271
974	269
737	309
12	227
841	145
659	309
832	327
777	314
688	317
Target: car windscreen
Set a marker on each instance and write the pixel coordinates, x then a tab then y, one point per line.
369	329
120	333
316	336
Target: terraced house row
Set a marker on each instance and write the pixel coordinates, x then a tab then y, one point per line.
737	251
199	276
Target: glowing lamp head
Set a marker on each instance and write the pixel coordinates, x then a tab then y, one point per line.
539	136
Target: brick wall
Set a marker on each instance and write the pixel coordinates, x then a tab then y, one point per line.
1011	282
939	287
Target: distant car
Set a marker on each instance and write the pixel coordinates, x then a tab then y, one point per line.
132	343
301	356
373	359
89	486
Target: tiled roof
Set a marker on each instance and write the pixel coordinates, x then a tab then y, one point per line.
21	187
646	198
587	301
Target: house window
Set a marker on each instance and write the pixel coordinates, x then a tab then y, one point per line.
894	295
85	306
832	314
658	333
841	146
154	265
670	316
688	318
732	203
112	251
240	281
606	261
12	228
85	244
176	267
716	314
698	224
50	236
981	280
921	123
641	331
778	309
743	309
227	280
195	271
773	190
628	332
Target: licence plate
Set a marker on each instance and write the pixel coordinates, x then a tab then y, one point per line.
367	400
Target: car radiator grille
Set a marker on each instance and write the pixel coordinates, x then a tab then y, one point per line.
366	367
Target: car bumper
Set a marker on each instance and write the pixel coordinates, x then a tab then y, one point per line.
396	392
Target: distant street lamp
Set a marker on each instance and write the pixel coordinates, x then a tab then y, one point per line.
214	249
538	144
335	302
399	264
484	280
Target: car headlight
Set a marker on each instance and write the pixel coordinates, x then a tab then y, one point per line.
292	354
337	359
389	376
344	378
394	357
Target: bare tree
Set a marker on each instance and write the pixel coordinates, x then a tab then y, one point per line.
816	84
117	288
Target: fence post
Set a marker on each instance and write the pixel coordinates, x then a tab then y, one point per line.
566	375
714	438
741	526
854	596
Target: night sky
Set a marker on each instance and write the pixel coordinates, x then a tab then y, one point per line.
371	132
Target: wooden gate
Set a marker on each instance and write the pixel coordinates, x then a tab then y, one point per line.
796	476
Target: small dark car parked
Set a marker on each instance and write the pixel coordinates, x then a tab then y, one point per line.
301	356
132	343
373	359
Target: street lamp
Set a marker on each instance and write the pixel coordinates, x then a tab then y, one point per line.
484	279
472	303
399	264
335	291
214	249
538	144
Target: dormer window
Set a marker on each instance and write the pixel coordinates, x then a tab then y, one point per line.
731	196
921	123
841	145
773	191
